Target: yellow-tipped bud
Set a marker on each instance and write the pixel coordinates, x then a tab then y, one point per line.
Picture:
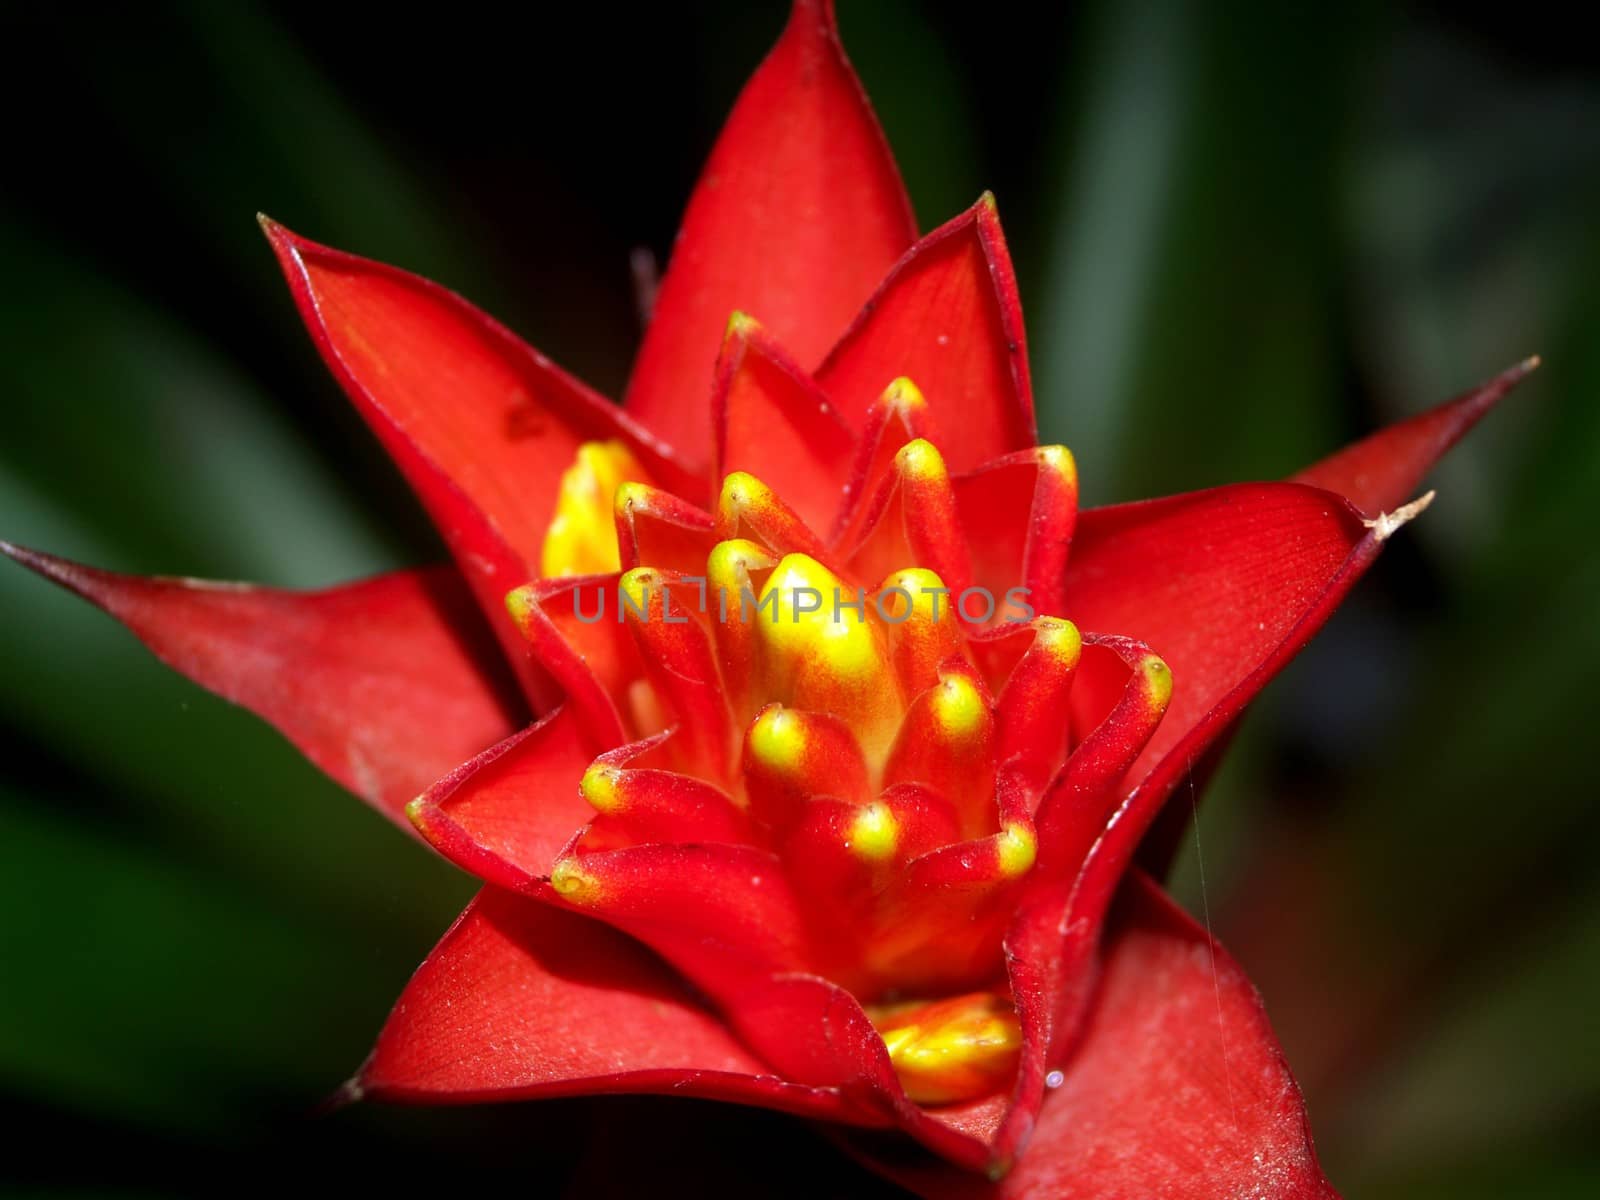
1017	847
732	561
730	568
920	458
915	594
581	539
874	833
599	787
739	325
628	496
1060	639
416	811
819	650
805	611
778	738
573	883
958	707
1059	459
1160	681
919	613
635	589
904	395
520	605
741	491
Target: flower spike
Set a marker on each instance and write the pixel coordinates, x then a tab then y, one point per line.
881	840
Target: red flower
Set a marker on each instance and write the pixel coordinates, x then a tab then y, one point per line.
828	806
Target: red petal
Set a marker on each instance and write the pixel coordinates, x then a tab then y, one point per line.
384	684
1225	585
1380	473
480	424
521	1000
723	915
948	318
1179	1083
1177	1088
798	213
773	421
506	814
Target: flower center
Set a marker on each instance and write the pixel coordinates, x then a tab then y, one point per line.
882	744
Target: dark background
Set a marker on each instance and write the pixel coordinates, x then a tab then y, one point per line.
1244	233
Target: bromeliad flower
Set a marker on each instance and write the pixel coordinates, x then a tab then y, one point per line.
838	760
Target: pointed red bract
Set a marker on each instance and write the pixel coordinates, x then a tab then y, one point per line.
1225	585
949	319
521	1000
797	215
384	684
893	419
481	425
1380	473
1256	569
1178	1085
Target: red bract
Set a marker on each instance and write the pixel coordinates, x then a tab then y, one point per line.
840	758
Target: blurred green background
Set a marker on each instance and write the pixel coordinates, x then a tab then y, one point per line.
1244	232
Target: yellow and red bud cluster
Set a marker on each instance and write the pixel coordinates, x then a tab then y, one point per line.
848	709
